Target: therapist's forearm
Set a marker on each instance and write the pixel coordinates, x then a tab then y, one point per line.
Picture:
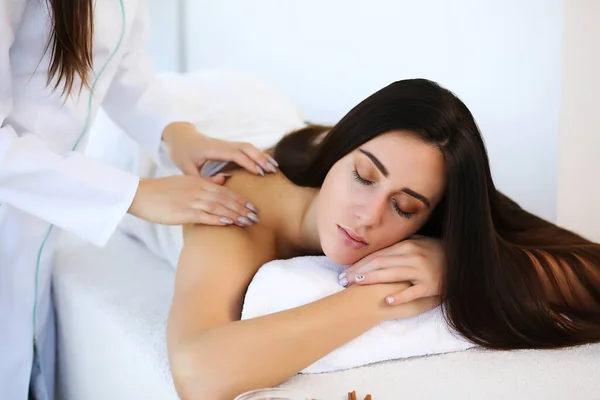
227	360
176	128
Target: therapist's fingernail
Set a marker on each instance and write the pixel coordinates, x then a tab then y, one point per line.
342	276
389	300
260	170
226	176
343	281
226	221
252	207
359	278
272	161
271	167
253	217
244	221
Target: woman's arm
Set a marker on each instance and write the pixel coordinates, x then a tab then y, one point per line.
214	355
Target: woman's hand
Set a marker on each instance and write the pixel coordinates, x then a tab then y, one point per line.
179	200
375	295
190	150
418	261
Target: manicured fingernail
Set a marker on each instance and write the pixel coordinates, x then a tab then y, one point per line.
253	217
226	176
343	281
271	167
272	161
252	207
244	221
359	278
342	276
260	170
225	220
389	300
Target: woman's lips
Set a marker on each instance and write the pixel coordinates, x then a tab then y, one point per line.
351	238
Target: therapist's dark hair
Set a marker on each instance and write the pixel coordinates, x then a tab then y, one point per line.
512	280
70	43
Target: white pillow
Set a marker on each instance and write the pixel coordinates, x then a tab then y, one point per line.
224	104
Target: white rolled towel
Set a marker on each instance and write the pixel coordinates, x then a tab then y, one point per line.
285	284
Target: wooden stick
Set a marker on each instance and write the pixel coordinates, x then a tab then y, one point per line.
352	395
368	397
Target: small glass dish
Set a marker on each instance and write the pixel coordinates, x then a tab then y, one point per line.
271	394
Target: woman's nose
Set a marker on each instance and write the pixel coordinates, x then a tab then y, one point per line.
371	212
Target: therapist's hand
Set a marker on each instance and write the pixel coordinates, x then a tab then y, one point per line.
189	150
419	261
181	199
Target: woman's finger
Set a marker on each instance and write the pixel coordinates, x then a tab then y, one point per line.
405	247
267	163
386	275
407	295
378	263
359	266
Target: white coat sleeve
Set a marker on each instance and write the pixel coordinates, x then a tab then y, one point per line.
71	191
136	100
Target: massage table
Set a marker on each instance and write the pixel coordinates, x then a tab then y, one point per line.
112	306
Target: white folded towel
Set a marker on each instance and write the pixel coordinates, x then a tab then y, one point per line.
285	284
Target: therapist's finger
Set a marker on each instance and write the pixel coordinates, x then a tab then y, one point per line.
236	155
204	218
214	207
226	207
190	168
266	162
224	194
219	179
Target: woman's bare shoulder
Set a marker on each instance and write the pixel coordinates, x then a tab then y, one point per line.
272	194
281	206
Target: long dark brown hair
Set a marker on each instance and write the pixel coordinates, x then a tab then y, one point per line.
512	280
70	43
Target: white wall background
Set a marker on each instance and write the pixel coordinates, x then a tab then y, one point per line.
165	35
579	158
502	57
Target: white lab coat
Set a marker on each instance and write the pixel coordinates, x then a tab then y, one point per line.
43	182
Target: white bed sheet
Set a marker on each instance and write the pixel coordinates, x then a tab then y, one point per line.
112	307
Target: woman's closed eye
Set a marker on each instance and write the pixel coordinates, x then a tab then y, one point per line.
367	182
400	212
360	179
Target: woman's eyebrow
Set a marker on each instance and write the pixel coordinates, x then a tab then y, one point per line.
417	196
376	161
386	173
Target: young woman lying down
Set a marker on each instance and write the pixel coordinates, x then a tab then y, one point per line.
409	160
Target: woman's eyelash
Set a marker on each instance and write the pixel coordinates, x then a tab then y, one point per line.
366	182
399	211
360	179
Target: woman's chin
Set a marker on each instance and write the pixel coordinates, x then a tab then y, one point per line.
342	256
